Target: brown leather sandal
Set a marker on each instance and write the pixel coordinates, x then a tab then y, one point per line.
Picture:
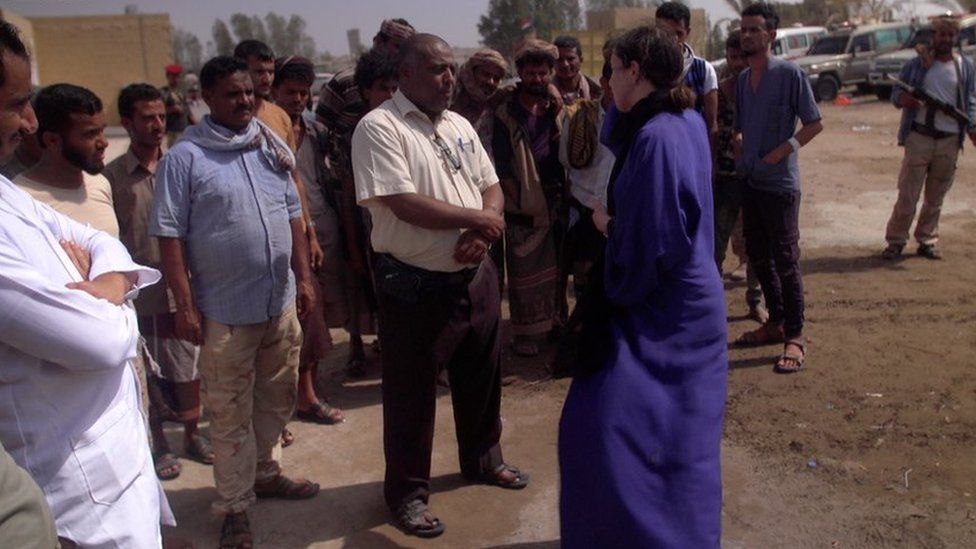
767	334
791	363
282	487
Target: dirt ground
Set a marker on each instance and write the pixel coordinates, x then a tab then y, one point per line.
873	445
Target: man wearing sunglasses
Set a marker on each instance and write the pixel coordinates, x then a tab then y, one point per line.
436	206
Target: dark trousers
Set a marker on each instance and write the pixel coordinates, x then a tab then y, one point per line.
452	325
770	223
727	200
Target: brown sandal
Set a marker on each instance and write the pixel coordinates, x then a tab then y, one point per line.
767	334
794	360
282	487
235	533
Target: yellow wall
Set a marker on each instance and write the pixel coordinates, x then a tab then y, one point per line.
103	53
605	24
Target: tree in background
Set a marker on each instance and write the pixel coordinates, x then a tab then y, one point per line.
507	21
223	42
187	50
284	36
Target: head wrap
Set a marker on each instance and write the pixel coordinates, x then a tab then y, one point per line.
393	29
191	81
537	48
173	69
482	58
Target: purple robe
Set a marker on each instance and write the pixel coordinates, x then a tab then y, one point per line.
639	440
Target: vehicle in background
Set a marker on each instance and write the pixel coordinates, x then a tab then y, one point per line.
892	63
791	42
843	57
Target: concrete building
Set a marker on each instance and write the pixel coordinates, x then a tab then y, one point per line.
103	53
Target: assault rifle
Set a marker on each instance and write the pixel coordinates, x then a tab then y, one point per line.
927	98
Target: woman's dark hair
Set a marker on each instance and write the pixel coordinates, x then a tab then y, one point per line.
659	57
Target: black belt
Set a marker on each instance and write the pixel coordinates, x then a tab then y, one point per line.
931	132
430	279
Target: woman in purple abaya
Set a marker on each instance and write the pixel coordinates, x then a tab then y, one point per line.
641	428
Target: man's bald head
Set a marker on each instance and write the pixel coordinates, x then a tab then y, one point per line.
427	72
419	48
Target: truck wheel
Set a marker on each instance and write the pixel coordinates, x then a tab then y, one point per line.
883	92
827	88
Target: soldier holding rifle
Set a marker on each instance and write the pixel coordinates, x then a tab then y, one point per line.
937	96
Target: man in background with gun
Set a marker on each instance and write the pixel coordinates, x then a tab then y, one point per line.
937	96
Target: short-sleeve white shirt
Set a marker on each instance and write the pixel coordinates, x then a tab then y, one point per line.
396	150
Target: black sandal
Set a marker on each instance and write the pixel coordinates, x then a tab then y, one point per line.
235	533
415	519
200	450
322	413
520	480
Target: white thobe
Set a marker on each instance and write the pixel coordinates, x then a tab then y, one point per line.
69	409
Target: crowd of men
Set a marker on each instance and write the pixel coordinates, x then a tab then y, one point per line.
403	205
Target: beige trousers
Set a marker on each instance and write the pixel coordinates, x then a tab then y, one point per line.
929	164
250	375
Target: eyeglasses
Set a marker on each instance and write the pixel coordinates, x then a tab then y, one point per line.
448	153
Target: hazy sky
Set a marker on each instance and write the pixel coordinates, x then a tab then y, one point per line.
454	20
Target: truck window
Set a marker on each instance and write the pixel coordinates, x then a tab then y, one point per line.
861	43
888	39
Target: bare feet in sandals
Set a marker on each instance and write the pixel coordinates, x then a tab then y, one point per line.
416	519
793	357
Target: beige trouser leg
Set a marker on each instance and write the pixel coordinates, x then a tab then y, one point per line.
930	164
250	375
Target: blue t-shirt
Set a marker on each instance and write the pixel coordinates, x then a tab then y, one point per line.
767	118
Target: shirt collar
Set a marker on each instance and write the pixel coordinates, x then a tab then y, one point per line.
132	163
406	107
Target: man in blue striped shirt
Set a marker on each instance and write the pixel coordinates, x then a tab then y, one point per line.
699	74
229	224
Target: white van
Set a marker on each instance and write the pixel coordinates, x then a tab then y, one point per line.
791	42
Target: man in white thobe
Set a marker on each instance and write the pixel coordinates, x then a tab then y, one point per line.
69	409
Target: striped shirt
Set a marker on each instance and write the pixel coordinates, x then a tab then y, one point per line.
700	76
